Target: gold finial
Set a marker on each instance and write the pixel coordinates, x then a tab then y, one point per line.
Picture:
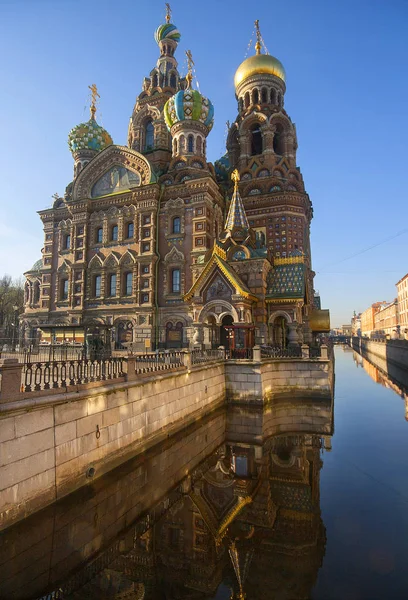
168	13
258	44
235	178
190	64
94	99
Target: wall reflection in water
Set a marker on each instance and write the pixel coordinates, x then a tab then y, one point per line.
230	509
385	374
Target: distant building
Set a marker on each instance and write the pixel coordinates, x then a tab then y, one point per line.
386	320
367	318
356	324
346	330
402	299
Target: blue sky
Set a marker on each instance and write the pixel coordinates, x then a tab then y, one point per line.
347	88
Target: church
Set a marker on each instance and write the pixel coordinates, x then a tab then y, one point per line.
154	247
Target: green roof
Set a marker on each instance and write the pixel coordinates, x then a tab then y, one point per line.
287	281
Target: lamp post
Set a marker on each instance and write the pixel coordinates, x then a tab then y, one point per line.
15	327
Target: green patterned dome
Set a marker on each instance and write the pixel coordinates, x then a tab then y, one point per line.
168	31
88	136
188	105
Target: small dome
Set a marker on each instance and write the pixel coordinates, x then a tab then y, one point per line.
37	265
167	31
88	136
188	105
259	64
222	167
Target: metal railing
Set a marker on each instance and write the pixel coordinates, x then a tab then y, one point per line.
279	352
38	376
239	354
160	361
199	357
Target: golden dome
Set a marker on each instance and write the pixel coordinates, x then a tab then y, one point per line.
258	64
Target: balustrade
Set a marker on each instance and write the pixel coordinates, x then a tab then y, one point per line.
38	376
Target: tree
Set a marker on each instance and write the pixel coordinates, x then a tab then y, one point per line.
11	306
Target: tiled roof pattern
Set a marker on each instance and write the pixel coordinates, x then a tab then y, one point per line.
287	281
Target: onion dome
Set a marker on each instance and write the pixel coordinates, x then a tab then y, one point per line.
259	65
222	167
189	105
168	31
88	136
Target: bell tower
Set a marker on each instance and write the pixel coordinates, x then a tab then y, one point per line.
147	132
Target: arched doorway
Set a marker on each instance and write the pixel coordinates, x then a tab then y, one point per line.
124	334
279	331
174	334
225	333
213	332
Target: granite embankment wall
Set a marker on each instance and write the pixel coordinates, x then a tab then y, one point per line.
40	552
54	443
49	443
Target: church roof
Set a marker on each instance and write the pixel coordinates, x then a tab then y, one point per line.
233	277
287	281
236	215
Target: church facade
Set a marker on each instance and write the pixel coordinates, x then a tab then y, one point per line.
153	246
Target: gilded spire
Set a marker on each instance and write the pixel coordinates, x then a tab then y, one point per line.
168	13
236	214
190	64
94	99
258	44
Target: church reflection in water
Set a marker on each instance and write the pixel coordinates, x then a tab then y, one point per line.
244	522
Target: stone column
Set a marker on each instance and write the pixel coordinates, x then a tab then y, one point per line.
10	379
293	336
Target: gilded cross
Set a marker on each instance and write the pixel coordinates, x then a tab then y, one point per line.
168	13
258	44
94	99
190	64
235	178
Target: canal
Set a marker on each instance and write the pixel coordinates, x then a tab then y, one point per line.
302	499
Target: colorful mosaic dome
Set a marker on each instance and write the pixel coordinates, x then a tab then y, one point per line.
222	167
188	105
167	31
88	136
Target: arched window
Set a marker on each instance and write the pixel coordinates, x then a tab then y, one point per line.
97	286
67	242
128	284
255	96
182	146
175	147
240	105
173	81
256	140
64	290
149	136
190	143
175	281
199	144
247	100
99	234
37	291
154	80
278	141
114	233
264	96
112	284
279	100
130	230
273	96
176	225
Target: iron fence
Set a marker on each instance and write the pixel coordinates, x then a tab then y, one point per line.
158	361
199	357
278	352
